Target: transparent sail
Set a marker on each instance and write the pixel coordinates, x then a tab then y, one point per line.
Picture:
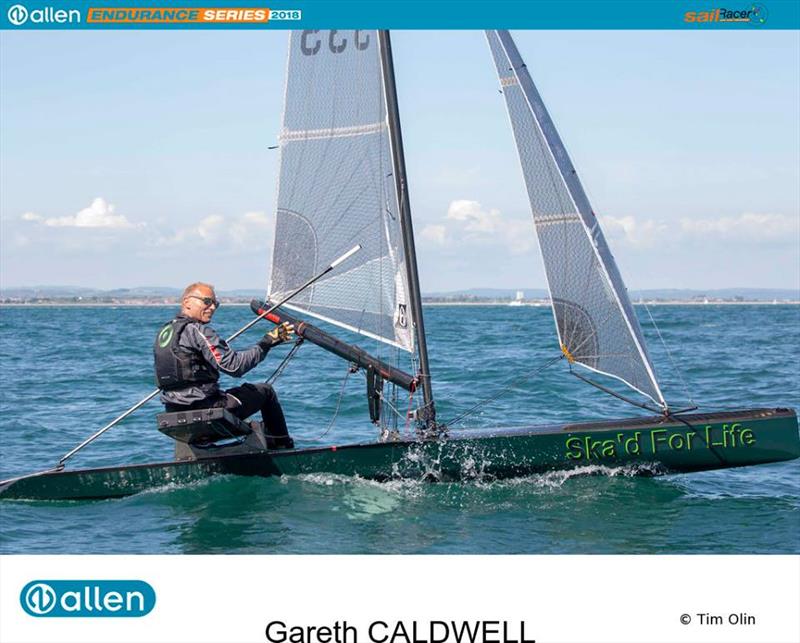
596	325
336	189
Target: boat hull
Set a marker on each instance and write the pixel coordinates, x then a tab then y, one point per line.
647	445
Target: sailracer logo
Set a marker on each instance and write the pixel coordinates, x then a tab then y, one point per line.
102	598
754	14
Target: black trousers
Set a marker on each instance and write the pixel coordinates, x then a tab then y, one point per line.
243	401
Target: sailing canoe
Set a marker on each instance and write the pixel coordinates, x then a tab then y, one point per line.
646	446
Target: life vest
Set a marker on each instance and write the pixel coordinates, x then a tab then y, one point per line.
177	367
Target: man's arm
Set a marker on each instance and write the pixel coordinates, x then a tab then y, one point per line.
217	352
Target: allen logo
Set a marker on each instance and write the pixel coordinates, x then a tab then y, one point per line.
19	14
104	598
39	598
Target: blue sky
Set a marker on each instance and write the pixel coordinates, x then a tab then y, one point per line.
141	158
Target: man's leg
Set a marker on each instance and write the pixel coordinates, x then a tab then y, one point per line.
249	398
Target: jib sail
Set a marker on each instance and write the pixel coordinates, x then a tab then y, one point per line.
595	321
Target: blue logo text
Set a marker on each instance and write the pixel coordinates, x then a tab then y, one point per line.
87	598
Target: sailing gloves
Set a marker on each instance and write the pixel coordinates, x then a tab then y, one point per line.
277	335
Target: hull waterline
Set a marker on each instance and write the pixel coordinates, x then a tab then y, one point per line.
651	445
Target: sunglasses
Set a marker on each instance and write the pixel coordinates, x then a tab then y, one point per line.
207	300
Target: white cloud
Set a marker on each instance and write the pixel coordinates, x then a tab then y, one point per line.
473	216
210	228
251	227
469	222
435	233
640	233
747	226
100	214
248	230
519	235
215	233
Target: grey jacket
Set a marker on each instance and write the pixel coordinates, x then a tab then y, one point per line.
201	338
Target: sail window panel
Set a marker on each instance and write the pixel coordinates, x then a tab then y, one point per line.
587	315
336	189
594	319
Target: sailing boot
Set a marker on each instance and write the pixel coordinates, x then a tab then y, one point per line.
275	442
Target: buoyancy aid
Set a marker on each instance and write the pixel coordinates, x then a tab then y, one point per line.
175	366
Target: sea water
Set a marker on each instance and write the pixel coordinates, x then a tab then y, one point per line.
66	371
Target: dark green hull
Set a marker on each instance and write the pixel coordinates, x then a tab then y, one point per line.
649	445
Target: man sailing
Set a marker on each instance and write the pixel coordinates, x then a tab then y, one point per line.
189	356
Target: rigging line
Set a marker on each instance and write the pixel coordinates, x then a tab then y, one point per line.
623	380
389	404
339	400
675	416
502	391
408	412
619	396
336	410
395	418
669	356
668	414
280	368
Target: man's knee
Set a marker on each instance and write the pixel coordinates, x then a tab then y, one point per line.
267	392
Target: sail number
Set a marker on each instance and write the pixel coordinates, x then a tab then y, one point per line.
311	42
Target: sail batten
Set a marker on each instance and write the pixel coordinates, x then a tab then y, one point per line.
336	189
333	132
595	322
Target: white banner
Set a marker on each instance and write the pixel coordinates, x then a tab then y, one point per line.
399	599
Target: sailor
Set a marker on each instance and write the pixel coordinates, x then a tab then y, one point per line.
189	356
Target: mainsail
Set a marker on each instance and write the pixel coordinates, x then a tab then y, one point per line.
337	188
596	325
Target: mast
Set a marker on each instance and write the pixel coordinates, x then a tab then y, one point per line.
427	414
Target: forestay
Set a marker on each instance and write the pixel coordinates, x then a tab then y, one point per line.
596	325
337	188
